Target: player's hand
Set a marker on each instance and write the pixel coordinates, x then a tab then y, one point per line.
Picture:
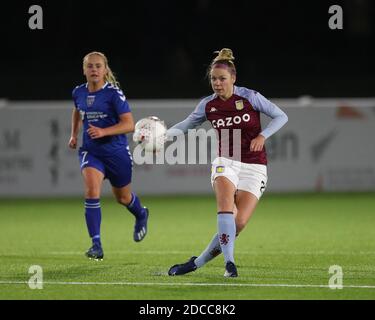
95	132
257	143
73	142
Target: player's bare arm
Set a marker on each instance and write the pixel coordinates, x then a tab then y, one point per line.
75	129
125	125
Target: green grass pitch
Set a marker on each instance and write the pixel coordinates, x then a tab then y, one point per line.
284	253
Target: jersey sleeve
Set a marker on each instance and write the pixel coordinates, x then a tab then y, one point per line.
119	102
194	119
279	118
74	97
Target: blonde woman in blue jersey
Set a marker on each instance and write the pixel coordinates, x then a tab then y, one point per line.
238	182
104	113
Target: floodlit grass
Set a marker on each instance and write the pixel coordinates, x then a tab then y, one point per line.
291	240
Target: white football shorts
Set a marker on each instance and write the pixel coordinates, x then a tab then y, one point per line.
245	176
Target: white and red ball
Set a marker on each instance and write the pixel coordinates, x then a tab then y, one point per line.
150	132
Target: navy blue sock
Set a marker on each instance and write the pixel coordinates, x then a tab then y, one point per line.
135	207
93	219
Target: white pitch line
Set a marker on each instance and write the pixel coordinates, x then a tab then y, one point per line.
158	252
120	252
192	284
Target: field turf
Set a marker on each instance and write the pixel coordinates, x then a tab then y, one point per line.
284	253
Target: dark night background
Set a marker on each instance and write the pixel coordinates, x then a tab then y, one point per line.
161	49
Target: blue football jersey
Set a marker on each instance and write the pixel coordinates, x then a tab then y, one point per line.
102	109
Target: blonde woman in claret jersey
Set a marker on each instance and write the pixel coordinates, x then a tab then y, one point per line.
238	182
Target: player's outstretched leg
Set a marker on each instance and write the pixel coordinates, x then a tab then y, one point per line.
93	220
212	250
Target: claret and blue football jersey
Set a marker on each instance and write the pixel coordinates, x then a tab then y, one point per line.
102	109
241	111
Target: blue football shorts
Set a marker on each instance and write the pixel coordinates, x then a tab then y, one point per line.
117	168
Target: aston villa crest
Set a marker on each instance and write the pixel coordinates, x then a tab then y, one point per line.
90	100
239	105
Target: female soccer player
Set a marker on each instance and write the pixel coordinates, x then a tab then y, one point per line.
238	182
102	108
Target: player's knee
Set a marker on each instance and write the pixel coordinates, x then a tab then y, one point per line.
224	204
92	193
240	225
124	199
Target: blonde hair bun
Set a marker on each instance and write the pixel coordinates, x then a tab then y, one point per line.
224	54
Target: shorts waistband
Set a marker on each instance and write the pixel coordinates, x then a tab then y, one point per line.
239	164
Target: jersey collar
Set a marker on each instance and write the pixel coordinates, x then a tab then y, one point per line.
106	84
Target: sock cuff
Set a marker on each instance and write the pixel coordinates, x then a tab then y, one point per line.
225	212
226	217
130	205
92	203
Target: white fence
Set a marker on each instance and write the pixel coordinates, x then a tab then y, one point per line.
327	145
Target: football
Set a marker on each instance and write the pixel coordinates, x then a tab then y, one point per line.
150	132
